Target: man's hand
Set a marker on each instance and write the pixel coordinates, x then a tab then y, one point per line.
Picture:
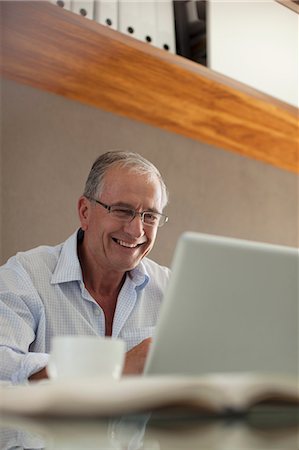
135	358
134	362
41	375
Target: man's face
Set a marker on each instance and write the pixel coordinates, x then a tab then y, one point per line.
111	243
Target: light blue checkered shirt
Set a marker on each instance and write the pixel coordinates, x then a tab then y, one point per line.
42	294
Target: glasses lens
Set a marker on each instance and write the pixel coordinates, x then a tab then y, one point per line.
122	213
151	218
127	215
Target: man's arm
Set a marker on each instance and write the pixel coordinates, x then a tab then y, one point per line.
20	315
40	375
17	334
134	362
136	357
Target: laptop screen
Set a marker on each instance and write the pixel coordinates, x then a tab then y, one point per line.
231	306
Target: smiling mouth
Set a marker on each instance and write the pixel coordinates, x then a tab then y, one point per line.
126	244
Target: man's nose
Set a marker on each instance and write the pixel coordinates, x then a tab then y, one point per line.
135	227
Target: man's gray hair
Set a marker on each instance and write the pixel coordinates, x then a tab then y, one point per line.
131	160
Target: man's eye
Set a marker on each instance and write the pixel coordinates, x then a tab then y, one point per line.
150	218
122	212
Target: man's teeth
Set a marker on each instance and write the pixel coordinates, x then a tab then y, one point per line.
126	244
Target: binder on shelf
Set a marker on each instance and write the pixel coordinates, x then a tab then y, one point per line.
65	4
128	18
106	13
147	21
83	7
165	25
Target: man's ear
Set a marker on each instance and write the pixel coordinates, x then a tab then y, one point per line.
84	212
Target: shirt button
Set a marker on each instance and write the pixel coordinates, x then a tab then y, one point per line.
97	311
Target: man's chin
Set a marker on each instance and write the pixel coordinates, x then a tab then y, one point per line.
126	266
128	262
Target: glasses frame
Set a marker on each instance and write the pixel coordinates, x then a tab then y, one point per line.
163	217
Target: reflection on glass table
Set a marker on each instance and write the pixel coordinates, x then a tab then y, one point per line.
275	430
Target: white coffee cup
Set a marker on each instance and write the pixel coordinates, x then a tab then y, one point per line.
74	357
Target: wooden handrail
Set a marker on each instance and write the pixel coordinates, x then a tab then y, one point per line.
61	52
291	4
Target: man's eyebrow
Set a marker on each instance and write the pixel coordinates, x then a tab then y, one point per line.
128	205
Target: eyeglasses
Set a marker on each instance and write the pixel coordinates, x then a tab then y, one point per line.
150	218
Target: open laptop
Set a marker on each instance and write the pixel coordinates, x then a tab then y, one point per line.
231	306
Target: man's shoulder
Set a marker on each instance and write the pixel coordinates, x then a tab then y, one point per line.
43	262
154	269
24	268
37	260
38	257
42	252
150	263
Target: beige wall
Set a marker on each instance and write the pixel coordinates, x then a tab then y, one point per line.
49	144
1	167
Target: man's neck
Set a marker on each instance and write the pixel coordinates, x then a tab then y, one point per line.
103	285
98	280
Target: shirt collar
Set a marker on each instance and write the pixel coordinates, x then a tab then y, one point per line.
139	276
68	266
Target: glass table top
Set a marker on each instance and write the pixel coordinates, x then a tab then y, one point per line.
158	431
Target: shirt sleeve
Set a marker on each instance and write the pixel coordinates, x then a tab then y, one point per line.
21	313
17	367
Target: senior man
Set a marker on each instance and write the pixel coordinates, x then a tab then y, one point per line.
98	282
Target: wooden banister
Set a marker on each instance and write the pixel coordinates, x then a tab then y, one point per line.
63	53
291	4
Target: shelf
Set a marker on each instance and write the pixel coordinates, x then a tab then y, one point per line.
291	4
58	51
